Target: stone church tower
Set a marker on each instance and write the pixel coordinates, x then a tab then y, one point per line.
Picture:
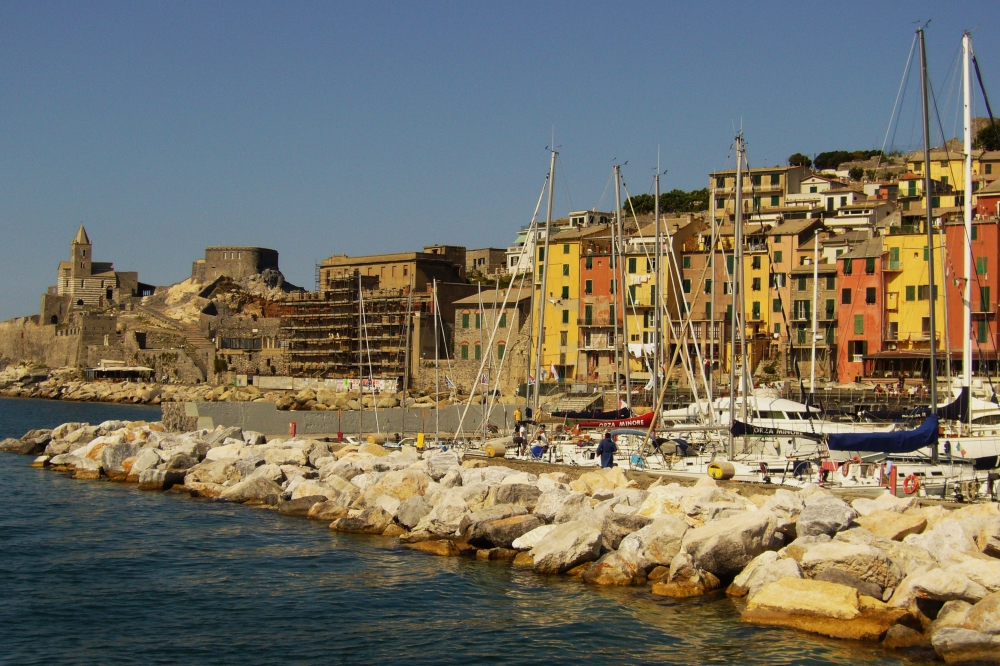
81	261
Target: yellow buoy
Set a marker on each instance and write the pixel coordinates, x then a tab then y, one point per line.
495	450
721	471
420	440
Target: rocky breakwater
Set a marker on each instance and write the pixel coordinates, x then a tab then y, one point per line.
884	570
66	384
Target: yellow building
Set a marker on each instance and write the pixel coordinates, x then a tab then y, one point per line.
561	335
907	293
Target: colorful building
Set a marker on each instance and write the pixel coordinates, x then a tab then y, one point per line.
860	307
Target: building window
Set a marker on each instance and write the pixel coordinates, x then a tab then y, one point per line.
777	329
631	265
812	189
503	320
984	298
981	331
725	287
756	203
980	265
848	266
776	305
801	286
756	284
465	321
869	265
922	292
775	179
911	293
975	229
500	350
687	285
566	248
588	315
563	338
935	202
777	256
870	296
479	352
708	286
775	201
565	316
989	168
631	294
721	182
859	325
755	310
831	282
755	262
588	286
845	296
541	254
829	308
565	292
720	204
686	261
755	179
589	263
565	270
729	265
465	352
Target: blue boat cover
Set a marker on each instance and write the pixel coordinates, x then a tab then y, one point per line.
901	441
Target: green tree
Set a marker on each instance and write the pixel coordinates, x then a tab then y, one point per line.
798	159
986	138
856	173
674	201
641	203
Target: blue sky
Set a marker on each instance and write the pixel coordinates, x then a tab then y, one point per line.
322	128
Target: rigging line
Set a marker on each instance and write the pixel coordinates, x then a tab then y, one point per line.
899	95
986	98
562	173
600	202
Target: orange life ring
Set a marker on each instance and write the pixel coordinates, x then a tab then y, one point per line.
911	484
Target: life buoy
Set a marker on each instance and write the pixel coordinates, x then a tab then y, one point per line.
911	484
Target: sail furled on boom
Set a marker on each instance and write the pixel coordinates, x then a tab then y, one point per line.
956	410
899	441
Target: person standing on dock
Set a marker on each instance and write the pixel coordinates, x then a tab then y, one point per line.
606	449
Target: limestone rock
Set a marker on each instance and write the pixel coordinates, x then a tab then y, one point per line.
655	544
114	455
664	501
283	456
373	450
900	636
824	514
470	527
520	494
531	539
300	506
565	547
231	450
863	562
892	525
326	511
402	484
984	617
412	510
254	491
725	547
612	570
440	547
372	520
616	526
821	607
496	554
502	533
549	503
447	514
441	463
451	479
213	471
959	645
884	502
944	539
695	586
159	479
571	508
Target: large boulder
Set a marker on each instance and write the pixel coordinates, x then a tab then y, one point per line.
441	463
549	503
372	520
948	537
254	491
502	533
984	617
565	547
285	456
159	479
884	502
824	514
213	471
725	547
613	570
821	607
763	570
571	508
531	539
520	494
412	510
864	562
655	544
447	514
616	526
664	501
469	527
930	582
892	525
114	455
402	484
959	645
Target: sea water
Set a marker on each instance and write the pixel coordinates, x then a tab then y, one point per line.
94	572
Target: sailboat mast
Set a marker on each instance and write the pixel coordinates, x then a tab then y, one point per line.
361	362
624	289
737	296
930	222
658	259
711	322
815	317
967	242
437	364
616	288
542	293
406	356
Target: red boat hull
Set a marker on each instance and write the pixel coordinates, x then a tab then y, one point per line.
633	422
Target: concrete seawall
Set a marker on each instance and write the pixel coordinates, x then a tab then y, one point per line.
264	417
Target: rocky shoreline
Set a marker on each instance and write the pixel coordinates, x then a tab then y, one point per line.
887	569
65	384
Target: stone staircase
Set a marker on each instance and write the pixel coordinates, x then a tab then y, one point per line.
200	349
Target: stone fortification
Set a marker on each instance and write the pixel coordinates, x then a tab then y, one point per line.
885	569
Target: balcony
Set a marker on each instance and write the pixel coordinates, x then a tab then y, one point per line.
892	265
857	358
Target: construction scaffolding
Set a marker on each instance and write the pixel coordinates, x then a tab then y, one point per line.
350	329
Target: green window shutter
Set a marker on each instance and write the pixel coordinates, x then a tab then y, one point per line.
631	264
565	316
911	294
465	352
777	256
777	328
975	233
565	292
588	287
831	282
589	263
686	262
926	253
500	350
687	285
631	294
541	254
845	296
708	309
870	265
566	248
756	309
465	321
588	315
729	312
611	314
848	266
830	306
776	305
479	352
565	269
503	320
893	254
981	330
479	321
708	286
984	298
729	264
980	265
859	324
775	201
